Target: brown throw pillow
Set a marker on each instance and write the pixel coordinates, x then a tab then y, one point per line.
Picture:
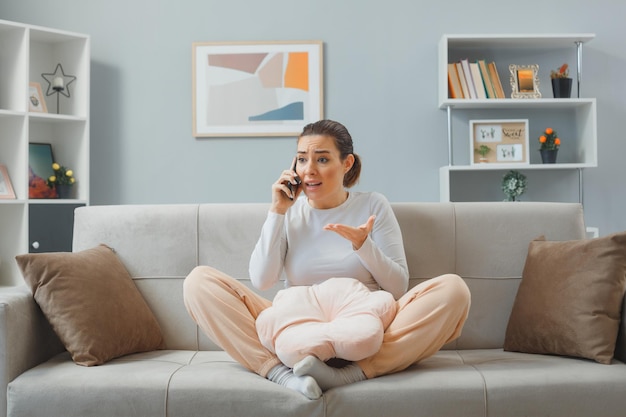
570	298
92	304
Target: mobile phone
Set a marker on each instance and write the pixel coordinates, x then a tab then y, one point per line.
294	187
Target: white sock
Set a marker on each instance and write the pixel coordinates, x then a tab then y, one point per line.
305	385
326	376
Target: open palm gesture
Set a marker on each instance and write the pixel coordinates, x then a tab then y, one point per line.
356	235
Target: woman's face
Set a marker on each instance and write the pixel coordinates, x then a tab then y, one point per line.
321	170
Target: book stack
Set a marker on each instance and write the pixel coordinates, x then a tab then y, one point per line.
474	80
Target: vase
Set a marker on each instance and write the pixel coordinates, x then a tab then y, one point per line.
562	87
548	156
65	191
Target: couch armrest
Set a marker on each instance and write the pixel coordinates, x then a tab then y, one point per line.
620	348
26	338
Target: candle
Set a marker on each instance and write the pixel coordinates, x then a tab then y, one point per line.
58	83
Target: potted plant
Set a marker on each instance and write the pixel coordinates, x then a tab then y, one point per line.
561	83
483	150
513	185
549	146
62	181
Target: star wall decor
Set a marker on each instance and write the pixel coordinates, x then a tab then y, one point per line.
58	82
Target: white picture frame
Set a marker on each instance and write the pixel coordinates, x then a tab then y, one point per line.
507	140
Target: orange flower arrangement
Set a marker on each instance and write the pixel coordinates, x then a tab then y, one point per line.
562	72
549	140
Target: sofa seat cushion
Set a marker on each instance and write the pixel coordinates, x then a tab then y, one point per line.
522	384
152	384
450	383
487	382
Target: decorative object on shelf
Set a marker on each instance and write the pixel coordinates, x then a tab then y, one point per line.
549	148
40	162
483	150
6	189
524	81
513	185
256	88
508	139
561	83
58	83
36	102
62	181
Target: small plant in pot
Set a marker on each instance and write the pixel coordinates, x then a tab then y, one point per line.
513	185
549	146
561	83
62	181
483	150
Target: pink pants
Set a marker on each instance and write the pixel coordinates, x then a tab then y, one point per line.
428	316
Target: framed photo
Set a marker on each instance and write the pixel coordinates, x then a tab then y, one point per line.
6	189
499	141
256	89
40	161
36	102
524	81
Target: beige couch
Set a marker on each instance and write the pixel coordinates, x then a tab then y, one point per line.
485	243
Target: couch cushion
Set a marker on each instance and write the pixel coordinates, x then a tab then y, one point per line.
570	298
151	384
92	303
487	382
490	246
520	384
441	385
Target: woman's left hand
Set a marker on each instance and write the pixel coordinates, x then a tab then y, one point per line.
356	235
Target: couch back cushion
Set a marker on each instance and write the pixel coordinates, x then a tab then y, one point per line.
485	243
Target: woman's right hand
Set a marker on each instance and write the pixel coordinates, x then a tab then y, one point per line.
282	196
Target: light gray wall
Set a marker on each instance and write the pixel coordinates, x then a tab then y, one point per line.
380	80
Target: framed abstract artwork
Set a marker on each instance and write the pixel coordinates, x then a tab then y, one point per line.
256	88
40	161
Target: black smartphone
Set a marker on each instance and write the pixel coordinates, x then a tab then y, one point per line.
294	187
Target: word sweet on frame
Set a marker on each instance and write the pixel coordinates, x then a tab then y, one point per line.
499	142
524	81
256	89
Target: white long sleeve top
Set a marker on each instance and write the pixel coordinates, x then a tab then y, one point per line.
297	245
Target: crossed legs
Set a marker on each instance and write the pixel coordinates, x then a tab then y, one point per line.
429	315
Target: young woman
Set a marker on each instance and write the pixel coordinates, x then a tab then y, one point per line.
331	232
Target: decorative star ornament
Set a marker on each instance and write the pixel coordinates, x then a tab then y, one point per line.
58	82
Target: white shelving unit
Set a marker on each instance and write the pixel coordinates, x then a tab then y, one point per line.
574	118
26	52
